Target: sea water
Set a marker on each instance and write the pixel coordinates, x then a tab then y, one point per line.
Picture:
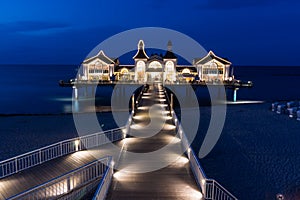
242	161
34	89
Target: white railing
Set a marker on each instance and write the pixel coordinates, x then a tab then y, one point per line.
215	190
210	188
82	192
36	157
71	181
197	171
104	185
139	97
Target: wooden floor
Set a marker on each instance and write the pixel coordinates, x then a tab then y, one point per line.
37	175
147	168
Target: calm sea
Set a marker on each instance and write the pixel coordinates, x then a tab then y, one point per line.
34	89
31	89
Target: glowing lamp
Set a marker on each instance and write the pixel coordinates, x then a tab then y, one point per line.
77	145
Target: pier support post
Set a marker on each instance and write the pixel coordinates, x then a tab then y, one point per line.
171	103
235	94
93	91
85	91
123	91
75	92
186	91
132	103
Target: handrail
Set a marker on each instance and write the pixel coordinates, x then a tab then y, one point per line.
68	182
215	190
30	159
144	87
81	192
211	189
168	100
104	185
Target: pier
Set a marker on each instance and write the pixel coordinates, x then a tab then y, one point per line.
83	167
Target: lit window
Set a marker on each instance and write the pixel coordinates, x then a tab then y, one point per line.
169	66
186	71
155	65
124	71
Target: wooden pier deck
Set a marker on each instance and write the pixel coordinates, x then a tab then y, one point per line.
165	174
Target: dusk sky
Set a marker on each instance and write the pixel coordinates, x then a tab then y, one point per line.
247	32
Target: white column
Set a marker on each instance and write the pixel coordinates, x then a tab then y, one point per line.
109	72
226	73
132	103
145	77
135	71
199	67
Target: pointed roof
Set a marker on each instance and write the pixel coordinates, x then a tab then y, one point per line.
210	56
169	54
141	54
101	56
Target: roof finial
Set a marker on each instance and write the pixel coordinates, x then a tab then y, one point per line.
141	45
170	45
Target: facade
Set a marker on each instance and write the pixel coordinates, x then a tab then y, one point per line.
156	68
213	68
99	67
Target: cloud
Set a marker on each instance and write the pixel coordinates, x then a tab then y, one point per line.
32	27
235	4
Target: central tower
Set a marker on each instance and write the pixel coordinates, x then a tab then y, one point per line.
140	60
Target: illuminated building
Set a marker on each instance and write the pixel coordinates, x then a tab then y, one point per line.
156	68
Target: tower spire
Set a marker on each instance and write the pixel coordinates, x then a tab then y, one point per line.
141	45
170	45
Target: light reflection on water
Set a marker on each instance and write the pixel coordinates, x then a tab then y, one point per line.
62	99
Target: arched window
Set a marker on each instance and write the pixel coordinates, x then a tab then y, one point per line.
213	65
91	68
169	66
155	65
186	71
214	68
140	66
98	67
124	70
140	70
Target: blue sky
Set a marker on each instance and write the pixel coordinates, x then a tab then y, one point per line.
248	32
